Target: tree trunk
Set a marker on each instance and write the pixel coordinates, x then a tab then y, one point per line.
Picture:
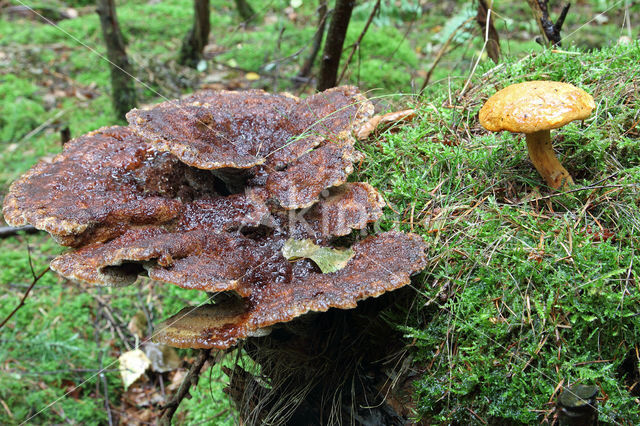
245	10
335	41
122	87
305	71
488	29
198	36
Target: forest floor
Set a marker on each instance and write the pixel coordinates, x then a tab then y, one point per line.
527	290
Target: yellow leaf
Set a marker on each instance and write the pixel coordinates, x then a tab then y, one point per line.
328	259
133	364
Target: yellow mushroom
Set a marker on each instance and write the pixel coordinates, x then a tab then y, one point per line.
534	108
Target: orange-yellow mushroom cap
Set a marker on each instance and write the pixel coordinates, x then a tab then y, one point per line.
533	106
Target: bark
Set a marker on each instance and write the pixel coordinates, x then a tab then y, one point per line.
245	10
305	71
335	41
122	87
550	31
198	36
485	21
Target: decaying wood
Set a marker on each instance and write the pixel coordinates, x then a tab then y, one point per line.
122	87
335	41
550	31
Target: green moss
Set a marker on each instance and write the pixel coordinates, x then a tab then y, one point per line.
520	296
507	276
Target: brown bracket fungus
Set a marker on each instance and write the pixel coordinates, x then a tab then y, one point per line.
534	108
294	147
381	263
204	193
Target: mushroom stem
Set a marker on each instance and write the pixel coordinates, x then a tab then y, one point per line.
545	160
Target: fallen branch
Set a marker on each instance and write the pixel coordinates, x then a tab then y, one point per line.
191	379
10	231
549	30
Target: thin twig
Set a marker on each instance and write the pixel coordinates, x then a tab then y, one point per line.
44	125
104	306
190	379
146	311
493	42
484	46
441	52
582	188
24	297
305	70
356	45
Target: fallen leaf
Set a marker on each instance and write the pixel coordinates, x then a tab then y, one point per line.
133	364
327	259
382	122
138	324
367	128
397	117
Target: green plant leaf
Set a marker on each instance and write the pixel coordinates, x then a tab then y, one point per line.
327	259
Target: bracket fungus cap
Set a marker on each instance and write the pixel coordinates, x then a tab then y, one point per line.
199	253
534	108
295	147
381	263
205	192
226	129
72	196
